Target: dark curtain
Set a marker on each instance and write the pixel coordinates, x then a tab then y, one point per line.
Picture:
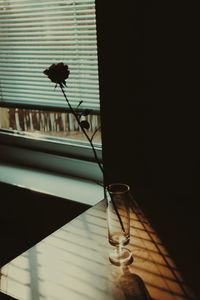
150	123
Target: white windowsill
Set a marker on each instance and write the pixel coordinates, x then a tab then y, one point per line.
70	188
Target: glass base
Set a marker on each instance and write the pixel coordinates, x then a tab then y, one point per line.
120	256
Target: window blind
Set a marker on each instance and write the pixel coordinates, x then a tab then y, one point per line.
37	33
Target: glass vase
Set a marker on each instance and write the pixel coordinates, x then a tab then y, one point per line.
118	222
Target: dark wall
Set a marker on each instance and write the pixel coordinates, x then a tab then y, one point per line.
150	121
125	86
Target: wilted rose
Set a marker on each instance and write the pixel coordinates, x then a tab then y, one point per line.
58	73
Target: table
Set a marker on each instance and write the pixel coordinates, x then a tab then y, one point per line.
72	263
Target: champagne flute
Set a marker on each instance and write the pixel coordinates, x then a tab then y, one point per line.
118	220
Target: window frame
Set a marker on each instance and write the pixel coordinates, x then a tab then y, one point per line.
75	157
70	157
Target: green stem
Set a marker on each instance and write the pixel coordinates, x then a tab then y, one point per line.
116	210
94	152
84	131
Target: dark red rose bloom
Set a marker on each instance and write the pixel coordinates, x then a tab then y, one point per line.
58	73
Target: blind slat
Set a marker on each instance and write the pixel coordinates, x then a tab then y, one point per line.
54	15
55	9
42	30
33	35
21	3
62	38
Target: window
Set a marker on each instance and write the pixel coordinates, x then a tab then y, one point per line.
33	114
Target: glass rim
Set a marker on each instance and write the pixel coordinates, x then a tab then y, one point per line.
112	188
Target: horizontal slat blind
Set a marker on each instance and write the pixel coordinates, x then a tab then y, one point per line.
36	33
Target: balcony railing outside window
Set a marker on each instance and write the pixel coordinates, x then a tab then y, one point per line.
57	124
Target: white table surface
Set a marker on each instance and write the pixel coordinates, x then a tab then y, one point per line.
72	263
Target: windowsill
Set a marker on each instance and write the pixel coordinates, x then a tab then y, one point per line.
78	190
